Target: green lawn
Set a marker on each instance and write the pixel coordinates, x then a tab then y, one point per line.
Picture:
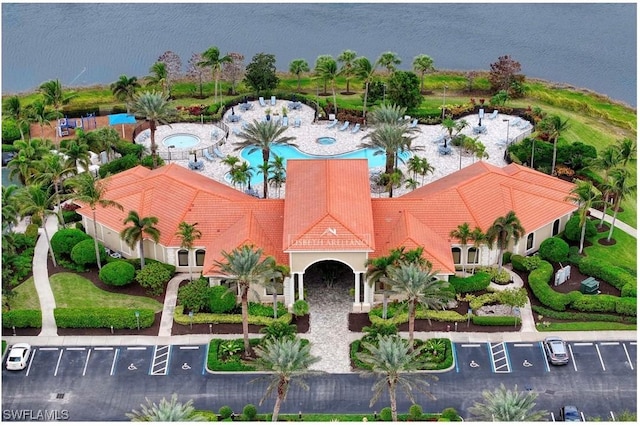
73	291
623	253
26	296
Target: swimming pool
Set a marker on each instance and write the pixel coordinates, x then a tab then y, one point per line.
288	152
326	140
181	140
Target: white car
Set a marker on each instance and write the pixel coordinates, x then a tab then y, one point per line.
18	357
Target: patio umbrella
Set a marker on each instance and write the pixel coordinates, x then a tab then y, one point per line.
121	119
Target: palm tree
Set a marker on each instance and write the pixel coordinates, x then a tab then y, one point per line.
585	195
24	164
54	95
288	359
39	113
421	64
91	191
136	232
327	70
502	230
261	136
104	139
53	169
278	173
389	60
452	126
607	160
389	360
166	411
188	234
419	286
365	70
297	67
211	58
319	60
628	148
242	174
10	208
390	114
621	187
389	140
346	58
463	234
480	151
77	153
160	76
243	266
275	285
478	238
554	126
153	107
507	405
13	108
424	168
125	88
33	200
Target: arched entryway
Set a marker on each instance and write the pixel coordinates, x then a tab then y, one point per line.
328	283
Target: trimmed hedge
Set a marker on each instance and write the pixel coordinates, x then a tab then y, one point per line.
627	306
586	317
22	319
63	241
375	316
496	320
554	249
220	299
478	282
183	319
215	364
539	284
595	303
84	253
117	273
447	360
119	318
614	275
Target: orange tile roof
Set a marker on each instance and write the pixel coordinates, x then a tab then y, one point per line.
328	206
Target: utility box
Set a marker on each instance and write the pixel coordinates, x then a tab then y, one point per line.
590	286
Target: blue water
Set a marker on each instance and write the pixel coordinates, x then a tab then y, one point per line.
326	140
289	152
589	45
181	140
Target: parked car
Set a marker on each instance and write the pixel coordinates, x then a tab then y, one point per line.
570	413
556	351
18	357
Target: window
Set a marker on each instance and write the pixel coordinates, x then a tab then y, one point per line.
183	258
530	241
200	257
472	256
556	227
456	253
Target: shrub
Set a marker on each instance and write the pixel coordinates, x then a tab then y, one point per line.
524	264
119	318
554	249
385	414
451	414
496	320
501	277
117	273
249	411
278	330
194	295
22	319
300	307
415	411
539	284
84	253
382	329
614	275
153	277
80	227
573	230
478	282
221	300
599	303
31	230
582	316
118	165
627	306
63	241
258	309
225	412
127	148
11	131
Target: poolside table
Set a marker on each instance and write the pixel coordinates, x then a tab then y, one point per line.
234	118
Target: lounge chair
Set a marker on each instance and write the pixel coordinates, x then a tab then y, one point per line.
523	124
236	131
208	155
344	126
217	152
332	124
516	122
262	103
414	123
273	100
214	135
285	121
297	122
356	128
493	115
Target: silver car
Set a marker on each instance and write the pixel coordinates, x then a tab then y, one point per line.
18	357
556	351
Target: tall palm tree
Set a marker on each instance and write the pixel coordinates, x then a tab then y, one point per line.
153	107
13	108
463	234
243	266
104	139
554	126
506	405
261	136
166	411
390	360
242	174
138	230
479	238
212	58
419	286
389	140
389	60
24	163
422	64
10	208
622	187
585	194
502	230
289	359
33	200
297	67
346	58
55	96
319	60
608	159
91	191
278	173
159	76
76	152
628	149
365	70
390	114
124	89
188	234
453	127
52	171
39	113
327	70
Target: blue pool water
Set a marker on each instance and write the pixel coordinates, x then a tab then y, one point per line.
326	140
181	140
288	152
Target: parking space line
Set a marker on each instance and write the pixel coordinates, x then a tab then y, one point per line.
103	348
76	348
86	363
55	373
544	356
189	347
578	344
49	348
160	364
33	356
470	345
600	357
523	344
136	348
113	364
499	355
453	350
573	359
610	343
628	358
